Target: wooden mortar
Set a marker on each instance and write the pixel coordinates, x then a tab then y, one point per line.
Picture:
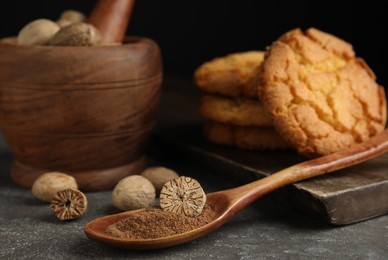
86	111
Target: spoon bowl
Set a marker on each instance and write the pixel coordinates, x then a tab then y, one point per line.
95	229
226	204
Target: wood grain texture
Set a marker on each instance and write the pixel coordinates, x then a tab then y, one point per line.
347	196
79	108
111	18
227	203
89	180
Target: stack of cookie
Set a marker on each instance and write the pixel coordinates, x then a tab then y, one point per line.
313	90
234	114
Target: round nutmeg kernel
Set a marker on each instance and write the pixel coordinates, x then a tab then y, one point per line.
47	185
70	16
69	204
64	23
183	195
133	192
38	32
158	176
76	34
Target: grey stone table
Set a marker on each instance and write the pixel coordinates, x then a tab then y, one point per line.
265	230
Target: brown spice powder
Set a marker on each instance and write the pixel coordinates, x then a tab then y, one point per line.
157	223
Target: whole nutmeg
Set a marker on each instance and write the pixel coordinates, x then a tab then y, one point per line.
76	34
64	23
70	16
158	176
47	185
38	32
133	192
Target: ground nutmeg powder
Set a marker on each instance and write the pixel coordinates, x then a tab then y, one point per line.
157	223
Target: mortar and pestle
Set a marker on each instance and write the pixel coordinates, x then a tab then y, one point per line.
86	111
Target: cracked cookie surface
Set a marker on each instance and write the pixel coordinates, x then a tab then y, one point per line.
241	110
321	96
231	75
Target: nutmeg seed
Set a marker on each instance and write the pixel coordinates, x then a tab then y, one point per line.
158	176
38	32
76	34
69	204
70	16
133	192
47	185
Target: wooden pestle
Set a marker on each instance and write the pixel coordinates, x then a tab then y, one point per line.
111	18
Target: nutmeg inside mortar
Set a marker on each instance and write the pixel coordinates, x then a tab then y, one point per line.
88	111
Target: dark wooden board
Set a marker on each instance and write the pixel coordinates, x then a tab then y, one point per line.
343	197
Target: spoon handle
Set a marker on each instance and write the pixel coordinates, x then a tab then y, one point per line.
111	17
241	196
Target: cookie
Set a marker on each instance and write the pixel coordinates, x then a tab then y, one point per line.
245	137
241	110
322	98
232	75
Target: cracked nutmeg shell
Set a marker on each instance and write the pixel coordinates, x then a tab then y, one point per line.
183	195
69	204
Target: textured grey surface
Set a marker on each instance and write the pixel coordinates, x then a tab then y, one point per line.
265	230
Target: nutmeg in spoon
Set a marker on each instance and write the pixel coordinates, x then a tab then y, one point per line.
228	203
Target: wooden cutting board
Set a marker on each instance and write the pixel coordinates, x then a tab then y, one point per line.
343	197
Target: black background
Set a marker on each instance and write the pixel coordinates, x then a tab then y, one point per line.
190	32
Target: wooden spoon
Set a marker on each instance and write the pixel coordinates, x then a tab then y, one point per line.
228	203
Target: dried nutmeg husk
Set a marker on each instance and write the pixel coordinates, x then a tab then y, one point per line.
38	32
133	192
158	176
69	17
69	204
48	184
76	34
